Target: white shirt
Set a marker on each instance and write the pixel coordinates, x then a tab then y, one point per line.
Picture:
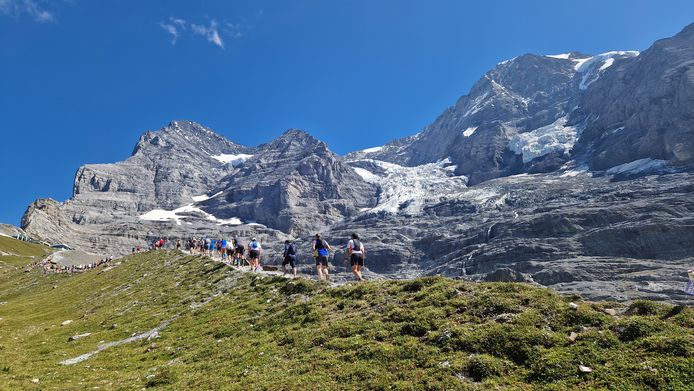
350	246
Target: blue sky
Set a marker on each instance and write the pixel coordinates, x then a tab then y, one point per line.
80	80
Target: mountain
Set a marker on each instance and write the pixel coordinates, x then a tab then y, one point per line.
514	119
571	171
641	108
294	184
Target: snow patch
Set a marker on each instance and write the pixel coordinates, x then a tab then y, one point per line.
372	150
204	197
563	56
367	175
179	214
235	160
556	137
469	131
638	166
586	66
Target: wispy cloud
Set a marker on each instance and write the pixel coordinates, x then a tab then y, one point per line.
38	10
173	26
210	32
214	32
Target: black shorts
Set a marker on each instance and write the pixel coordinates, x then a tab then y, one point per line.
322	260
240	251
357	259
254	254
289	260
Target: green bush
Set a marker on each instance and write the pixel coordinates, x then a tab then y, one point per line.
484	366
551	365
646	307
678	346
633	328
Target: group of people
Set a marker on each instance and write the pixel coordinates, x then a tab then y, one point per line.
233	252
52	267
320	248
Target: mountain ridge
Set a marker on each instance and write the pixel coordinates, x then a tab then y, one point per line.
522	173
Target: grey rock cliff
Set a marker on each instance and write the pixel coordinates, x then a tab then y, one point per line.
294	184
642	107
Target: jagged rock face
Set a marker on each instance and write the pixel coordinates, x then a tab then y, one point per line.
516	103
166	169
522	94
294	184
642	107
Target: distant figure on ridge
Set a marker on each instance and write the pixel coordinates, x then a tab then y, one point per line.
322	250
356	253
239	253
289	257
254	253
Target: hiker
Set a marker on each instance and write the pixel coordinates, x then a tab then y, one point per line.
289	257
690	285
356	253
223	249
213	247
178	244
321	250
254	252
230	252
239	251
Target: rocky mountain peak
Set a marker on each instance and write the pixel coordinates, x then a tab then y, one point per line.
294	142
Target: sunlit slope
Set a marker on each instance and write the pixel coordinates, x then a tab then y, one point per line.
185	322
16	253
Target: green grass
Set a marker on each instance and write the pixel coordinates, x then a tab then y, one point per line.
244	331
21	253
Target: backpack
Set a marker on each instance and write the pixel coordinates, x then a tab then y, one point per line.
356	245
291	250
321	247
254	245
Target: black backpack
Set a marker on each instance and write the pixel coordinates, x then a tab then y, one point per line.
291	250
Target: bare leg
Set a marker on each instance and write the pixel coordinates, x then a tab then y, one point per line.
325	272
355	271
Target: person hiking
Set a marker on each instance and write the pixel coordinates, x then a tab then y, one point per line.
213	247
178	244
356	253
223	249
254	252
322	251
289	257
239	253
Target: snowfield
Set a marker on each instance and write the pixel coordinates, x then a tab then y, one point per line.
469	131
183	213
556	137
407	189
372	150
638	166
235	160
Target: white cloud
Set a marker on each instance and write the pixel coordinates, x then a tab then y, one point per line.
215	33
36	9
174	27
211	33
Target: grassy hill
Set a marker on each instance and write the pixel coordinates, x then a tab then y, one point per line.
190	323
15	253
